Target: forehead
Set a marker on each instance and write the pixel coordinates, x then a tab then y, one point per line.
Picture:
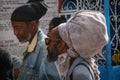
53	33
17	24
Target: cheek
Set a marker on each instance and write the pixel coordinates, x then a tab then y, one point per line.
19	32
62	48
22	35
52	47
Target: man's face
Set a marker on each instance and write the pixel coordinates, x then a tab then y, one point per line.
52	42
21	30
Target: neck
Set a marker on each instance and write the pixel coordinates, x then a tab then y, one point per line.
32	36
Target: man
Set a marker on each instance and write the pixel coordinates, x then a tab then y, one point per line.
25	22
75	43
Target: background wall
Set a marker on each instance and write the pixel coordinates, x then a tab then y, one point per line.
8	41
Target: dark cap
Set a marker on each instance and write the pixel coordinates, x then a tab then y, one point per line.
29	12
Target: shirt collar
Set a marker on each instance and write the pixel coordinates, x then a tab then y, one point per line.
32	45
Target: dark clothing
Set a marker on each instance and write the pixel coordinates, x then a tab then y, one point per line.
6	66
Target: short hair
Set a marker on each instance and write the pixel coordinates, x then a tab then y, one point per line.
57	21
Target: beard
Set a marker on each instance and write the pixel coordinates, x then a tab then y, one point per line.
52	56
27	39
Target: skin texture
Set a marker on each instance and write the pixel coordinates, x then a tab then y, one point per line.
25	31
56	45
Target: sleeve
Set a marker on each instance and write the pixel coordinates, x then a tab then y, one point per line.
81	72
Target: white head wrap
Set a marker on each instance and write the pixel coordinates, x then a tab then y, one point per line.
86	34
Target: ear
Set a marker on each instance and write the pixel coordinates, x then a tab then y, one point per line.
33	26
62	47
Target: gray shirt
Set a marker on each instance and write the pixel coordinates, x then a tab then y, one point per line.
80	70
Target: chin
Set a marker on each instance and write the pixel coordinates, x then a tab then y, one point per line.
52	55
51	59
22	41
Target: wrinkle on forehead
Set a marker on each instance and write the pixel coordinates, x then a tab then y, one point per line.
54	33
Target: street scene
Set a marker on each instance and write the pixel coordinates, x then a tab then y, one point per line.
60	39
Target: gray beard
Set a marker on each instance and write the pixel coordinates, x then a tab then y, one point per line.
28	38
51	57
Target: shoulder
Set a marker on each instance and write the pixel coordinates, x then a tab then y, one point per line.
81	72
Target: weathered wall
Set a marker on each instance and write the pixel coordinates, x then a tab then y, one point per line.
8	41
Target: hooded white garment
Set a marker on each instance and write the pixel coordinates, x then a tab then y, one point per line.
85	33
